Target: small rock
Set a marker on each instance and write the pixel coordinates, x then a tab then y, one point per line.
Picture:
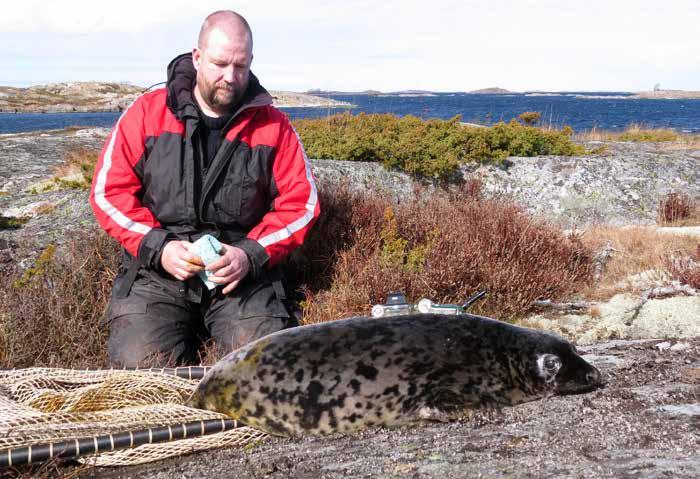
645	280
403	469
691	375
680	409
680	347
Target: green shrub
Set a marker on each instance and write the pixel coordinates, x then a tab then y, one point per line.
427	148
530	117
12	223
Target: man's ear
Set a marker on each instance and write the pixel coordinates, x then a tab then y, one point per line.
196	58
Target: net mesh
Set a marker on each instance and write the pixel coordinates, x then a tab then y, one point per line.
41	405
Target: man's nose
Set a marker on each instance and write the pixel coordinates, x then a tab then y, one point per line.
229	74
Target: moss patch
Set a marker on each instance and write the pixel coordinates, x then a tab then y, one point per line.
12	223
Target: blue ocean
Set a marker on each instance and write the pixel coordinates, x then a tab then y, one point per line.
581	111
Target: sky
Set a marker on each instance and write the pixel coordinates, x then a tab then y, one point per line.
354	45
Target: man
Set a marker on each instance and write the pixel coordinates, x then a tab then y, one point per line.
207	154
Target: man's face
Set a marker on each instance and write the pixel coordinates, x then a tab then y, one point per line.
223	69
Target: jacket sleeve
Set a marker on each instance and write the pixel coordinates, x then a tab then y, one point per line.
115	190
294	210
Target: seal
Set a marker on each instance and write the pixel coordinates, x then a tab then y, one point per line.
353	373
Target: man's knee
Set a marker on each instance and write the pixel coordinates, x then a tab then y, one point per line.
148	334
127	346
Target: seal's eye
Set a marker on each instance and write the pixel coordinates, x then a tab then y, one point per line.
548	365
551	363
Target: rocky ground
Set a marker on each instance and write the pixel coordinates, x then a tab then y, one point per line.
97	96
621	184
644	424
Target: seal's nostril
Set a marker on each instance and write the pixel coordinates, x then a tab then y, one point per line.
593	377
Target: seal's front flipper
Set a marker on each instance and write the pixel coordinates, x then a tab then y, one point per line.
434	414
444	405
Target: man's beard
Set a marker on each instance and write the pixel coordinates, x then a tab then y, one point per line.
220	98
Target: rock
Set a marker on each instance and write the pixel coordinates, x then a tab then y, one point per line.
677	317
680	347
606	361
644	280
627	316
29	211
692	410
691	375
621	187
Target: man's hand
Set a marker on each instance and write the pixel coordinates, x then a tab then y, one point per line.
177	260
230	269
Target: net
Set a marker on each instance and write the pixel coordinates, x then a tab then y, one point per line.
47	413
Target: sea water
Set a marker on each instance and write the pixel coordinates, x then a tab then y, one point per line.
581	111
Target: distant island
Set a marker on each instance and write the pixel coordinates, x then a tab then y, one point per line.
319	92
668	94
105	96
404	93
490	91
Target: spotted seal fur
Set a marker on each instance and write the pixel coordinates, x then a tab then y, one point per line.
358	372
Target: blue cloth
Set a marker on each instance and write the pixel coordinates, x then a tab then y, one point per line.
209	249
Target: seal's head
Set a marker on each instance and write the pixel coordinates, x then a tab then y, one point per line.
551	365
566	371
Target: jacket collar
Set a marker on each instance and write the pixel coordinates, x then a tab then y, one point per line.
182	77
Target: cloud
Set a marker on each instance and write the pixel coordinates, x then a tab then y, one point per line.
360	44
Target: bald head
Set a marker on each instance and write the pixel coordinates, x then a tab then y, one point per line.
222	59
228	22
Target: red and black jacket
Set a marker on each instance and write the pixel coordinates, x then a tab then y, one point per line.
258	192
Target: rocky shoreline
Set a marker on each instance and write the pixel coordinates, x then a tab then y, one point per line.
86	97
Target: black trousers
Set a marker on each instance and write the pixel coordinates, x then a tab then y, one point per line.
155	326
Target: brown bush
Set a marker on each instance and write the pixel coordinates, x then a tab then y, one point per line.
50	313
445	248
686	269
674	207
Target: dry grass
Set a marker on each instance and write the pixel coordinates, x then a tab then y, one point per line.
636	250
638	133
50	313
79	166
